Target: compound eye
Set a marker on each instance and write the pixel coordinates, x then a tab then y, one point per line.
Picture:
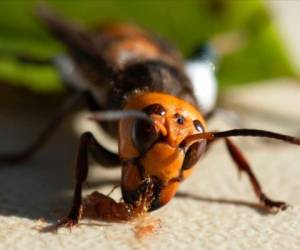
144	135
193	154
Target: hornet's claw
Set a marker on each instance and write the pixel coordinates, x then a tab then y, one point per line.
71	220
273	206
67	222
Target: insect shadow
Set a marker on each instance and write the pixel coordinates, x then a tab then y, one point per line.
42	186
221	201
186	195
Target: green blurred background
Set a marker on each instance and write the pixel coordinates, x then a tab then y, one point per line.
186	23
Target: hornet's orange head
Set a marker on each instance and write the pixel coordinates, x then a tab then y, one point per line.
154	159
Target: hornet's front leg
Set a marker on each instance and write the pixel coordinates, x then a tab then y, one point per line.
96	205
243	165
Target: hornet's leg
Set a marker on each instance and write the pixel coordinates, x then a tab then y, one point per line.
44	136
243	165
270	205
97	205
102	155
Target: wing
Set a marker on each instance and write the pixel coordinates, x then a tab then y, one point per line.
80	43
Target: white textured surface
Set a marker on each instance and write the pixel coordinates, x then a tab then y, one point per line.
215	210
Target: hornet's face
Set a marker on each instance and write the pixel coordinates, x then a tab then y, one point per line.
151	152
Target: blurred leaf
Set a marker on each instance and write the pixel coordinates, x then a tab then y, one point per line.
185	23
